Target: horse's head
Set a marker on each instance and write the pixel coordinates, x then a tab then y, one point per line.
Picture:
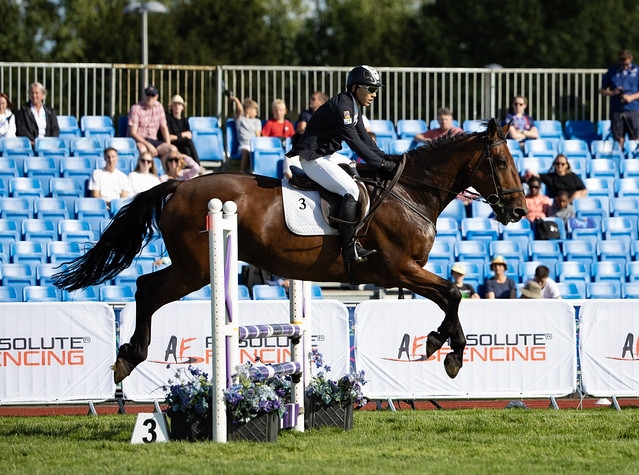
495	176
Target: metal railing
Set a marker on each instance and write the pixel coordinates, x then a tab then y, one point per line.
409	93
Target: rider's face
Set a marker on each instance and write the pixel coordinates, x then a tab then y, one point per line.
363	96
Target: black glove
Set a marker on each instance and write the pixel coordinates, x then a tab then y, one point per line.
386	171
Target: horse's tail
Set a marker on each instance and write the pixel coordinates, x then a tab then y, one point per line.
120	242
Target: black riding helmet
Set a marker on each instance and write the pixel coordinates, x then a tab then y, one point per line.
364	75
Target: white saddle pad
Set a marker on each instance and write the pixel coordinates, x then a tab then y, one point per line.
303	213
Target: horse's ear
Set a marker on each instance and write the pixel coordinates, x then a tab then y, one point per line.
492	129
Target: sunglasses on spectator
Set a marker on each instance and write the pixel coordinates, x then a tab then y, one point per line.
370	89
173	159
518	104
534	187
560	163
144	160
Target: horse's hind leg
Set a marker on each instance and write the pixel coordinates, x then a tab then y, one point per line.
153	291
446	295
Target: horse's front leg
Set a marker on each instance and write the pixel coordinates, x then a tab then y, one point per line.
447	297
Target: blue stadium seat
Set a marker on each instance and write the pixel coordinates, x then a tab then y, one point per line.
42	168
474	273
69	190
26	188
541	148
202	294
384	131
210	145
583	250
600	187
69	128
439	268
630	290
243	292
572	290
16	146
17	276
125	146
129	276
545	251
613	250
474	126
399	146
49	146
9	232
82	146
481	209
628	186
479	229
472	251
603	130
8	170
9	294
268	162
27	252
45	271
408	128
17	209
116	293
592	206
515	149
606	149
316	291
622	227
148	255
203	123
269	292
631	148
520	231
575	148
90	294
560	225
266	143
434	124
591	231
231	140
37	293
54	209
511	250
61	252
98	126
117	204
39	230
448	227
607	270
568	271
629	168
580	129
442	252
77	166
608	289
604	168
550	129
76	230
455	209
93	210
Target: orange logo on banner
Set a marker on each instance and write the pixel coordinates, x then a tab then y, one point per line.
43	351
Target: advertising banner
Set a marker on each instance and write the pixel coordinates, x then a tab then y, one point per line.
181	336
56	352
609	347
514	348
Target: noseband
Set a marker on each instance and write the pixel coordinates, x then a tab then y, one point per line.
495	198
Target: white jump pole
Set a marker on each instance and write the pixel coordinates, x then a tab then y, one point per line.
300	296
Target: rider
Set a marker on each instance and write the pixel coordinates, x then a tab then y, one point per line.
340	119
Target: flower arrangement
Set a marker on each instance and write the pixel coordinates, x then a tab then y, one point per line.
189	392
346	389
251	396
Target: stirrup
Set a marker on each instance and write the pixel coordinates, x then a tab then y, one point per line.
361	253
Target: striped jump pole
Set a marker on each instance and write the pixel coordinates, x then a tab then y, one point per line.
226	332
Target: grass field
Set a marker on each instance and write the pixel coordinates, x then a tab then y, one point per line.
405	442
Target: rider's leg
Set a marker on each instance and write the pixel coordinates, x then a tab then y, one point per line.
351	248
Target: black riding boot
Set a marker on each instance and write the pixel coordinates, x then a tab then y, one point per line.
351	249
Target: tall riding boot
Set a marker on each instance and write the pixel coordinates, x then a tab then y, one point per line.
351	249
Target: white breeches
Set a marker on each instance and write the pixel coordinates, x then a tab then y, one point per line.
327	172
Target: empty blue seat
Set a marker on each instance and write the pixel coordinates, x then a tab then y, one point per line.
93	210
472	251
116	293
481	209
515	149
603	129
628	186
572	290
455	209
16	146
609	289
539	163
541	148
69	128
201	294
268	162
442	252
44	272
90	294
575	148
77	166
521	231
632	271
231	140
582	250
631	148
38	293
42	168
384	131
47	146
592	206
316	292
76	230
511	250
588	228
613	250
125	146
399	146
27	252
474	125
243	292
603	167
129	276
39	230
573	271
149	254
90	146
54	209
629	168
479	229
545	251
98	126
621	227
606	149
203	123
439	268
269	292
62	252
448	227
550	129
17	276
608	270
9	232
266	143
17	209
9	294
26	187
8	170
408	128
210	145
580	129
630	290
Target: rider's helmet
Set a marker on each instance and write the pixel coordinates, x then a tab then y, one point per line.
364	75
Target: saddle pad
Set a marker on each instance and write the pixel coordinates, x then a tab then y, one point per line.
303	212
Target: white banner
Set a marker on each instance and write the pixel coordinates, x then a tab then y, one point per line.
609	347
515	348
54	352
181	335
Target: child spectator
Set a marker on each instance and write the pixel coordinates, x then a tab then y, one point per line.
247	126
561	207
278	125
537	203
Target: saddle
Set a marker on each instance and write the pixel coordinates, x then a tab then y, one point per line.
329	201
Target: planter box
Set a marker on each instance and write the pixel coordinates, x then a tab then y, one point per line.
317	414
181	429
263	428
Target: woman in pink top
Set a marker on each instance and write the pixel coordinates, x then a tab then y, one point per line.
537	203
179	167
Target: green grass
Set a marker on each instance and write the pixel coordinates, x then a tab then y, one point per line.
405	442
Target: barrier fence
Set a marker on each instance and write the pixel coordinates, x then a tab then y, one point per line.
61	352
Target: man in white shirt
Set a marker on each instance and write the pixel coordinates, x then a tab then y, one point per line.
109	182
549	288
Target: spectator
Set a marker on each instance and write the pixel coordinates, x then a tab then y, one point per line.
179	130
247	126
548	287
35	119
179	167
536	202
145	175
146	118
317	99
278	125
467	291
561	177
621	84
522	126
7	119
561	207
527	175
109	182
500	286
445	120
532	290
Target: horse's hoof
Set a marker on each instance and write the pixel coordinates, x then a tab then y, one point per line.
121	369
433	343
452	364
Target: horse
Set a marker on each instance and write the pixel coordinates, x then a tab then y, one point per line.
402	230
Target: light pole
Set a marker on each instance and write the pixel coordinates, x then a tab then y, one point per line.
144	8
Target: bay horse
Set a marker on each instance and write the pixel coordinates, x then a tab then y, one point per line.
402	230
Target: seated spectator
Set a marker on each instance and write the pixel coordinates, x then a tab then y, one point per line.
179	167
278	125
532	290
7	119
527	175
109	182
536	202
548	287
500	286
146	120
522	126
561	207
35	119
445	120
317	99
145	175
179	129
247	126
561	177
467	291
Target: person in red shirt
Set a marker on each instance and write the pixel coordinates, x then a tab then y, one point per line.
445	120
278	125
